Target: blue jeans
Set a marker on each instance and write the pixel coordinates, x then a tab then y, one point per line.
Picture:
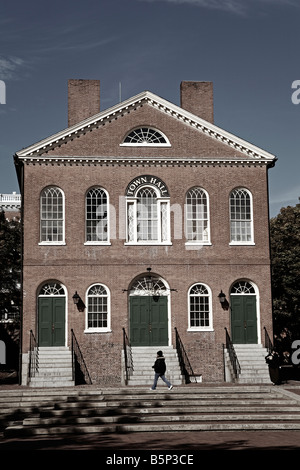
156	376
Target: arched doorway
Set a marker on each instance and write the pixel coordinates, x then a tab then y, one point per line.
148	310
51	315
243	301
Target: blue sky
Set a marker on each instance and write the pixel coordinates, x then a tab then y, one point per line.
249	49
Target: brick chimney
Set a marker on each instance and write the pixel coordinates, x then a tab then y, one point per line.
197	98
83	100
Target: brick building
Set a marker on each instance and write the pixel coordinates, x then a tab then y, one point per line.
147	211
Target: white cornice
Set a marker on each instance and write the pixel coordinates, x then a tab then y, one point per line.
96	121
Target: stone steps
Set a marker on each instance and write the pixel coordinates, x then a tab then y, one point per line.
143	360
185	408
253	365
54	368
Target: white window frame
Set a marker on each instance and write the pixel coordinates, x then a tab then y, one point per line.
146	143
106	329
197	242
53	242
131	207
242	242
98	242
200	328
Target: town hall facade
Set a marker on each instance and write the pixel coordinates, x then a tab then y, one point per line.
136	220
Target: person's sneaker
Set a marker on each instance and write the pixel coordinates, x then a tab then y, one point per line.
170	388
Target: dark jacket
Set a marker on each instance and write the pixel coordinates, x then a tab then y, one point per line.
160	366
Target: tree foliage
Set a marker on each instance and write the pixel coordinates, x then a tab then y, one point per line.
10	265
285	256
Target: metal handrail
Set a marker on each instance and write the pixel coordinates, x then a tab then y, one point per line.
185	365
268	343
232	355
33	356
79	369
127	356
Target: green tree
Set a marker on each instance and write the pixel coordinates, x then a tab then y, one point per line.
285	256
10	265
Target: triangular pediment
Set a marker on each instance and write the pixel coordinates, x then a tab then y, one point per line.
245	149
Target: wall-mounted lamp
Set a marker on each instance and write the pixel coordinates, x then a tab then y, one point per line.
78	301
76	298
223	301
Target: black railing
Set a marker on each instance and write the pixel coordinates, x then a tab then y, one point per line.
268	343
127	357
79	369
33	356
185	365
232	355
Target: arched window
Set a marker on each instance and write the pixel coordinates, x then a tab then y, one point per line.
241	221
98	308
52	225
242	287
52	289
200	309
197	216
148	216
97	217
143	136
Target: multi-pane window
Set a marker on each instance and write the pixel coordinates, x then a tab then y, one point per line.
148	217
98	308
197	216
96	216
241	227
200	315
145	136
52	216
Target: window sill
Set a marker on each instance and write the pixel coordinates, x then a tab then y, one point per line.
98	330
241	244
197	329
198	243
52	243
148	243
97	243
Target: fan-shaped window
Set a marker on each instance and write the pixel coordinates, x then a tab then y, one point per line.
146	136
242	287
52	288
98	308
200	310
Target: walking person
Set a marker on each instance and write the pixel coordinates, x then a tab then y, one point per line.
160	369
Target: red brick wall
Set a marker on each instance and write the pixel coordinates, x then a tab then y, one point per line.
78	266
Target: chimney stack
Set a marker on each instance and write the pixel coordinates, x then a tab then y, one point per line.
83	100
197	98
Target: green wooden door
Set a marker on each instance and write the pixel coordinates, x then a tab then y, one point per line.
243	319
148	321
51	318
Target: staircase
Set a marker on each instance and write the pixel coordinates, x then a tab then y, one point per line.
88	410
254	368
143	360
54	368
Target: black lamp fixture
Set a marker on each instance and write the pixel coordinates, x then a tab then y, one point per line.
149	280
76	298
223	301
78	302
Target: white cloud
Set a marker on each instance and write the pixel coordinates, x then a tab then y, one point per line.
9	67
234	6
